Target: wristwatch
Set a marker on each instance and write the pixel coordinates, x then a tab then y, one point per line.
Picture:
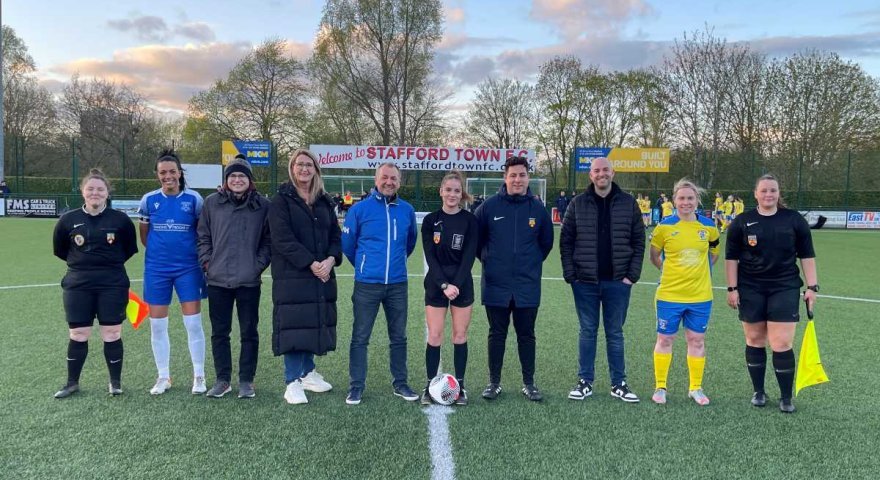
814	288
444	286
732	289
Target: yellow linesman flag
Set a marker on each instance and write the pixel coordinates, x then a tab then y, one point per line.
136	310
809	369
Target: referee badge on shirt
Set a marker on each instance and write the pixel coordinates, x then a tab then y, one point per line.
532	222
753	240
79	240
457	241
111	237
436	238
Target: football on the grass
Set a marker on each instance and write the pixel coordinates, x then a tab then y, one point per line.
444	389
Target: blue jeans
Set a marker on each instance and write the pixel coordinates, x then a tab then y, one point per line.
365	300
297	364
613	296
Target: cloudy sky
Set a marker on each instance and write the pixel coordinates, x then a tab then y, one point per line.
169	50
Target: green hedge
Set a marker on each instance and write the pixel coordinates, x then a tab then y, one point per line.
429	198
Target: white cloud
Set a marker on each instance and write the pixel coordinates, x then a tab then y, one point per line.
584	18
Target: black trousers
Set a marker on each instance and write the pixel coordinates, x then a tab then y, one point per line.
220	303
524	324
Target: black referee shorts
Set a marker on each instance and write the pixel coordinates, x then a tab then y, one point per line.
779	305
81	306
434	296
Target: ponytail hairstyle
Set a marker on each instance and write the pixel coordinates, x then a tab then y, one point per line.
457	175
97	174
687	183
767	176
169	155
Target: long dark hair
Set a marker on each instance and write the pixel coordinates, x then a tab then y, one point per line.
169	155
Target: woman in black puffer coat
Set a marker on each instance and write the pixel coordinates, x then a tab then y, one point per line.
306	246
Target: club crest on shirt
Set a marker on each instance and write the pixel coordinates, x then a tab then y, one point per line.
532	222
753	240
457	241
79	240
436	238
111	237
703	235
186	207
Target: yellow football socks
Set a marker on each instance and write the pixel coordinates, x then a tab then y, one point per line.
695	371
662	361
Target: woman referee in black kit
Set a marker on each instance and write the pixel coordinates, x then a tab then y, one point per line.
449	240
763	282
95	241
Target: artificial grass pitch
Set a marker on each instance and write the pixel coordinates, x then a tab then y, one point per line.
91	435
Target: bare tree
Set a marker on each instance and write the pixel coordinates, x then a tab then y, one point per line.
378	55
560	114
262	97
500	114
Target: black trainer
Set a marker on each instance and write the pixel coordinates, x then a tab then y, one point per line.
67	390
759	399
220	388
462	398
785	405
115	388
403	391
492	391
623	392
581	390
532	393
426	397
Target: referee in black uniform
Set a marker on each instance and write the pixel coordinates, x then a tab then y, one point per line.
95	241
449	239
764	283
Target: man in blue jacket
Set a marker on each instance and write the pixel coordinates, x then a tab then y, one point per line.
378	235
516	235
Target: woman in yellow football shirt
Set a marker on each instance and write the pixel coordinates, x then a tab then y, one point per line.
684	247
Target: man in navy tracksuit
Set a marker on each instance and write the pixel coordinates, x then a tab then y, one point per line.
378	236
516	235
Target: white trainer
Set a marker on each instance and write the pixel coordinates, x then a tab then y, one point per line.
162	384
314	382
199	386
295	394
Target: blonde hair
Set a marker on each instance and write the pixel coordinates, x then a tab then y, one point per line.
686	183
457	175
97	174
317	187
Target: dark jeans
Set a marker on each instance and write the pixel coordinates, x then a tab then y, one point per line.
613	296
365	300
297	364
524	324
220	302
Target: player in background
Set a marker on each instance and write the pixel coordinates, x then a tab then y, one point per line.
449	240
645	207
727	210
95	241
668	208
168	222
719	210
684	247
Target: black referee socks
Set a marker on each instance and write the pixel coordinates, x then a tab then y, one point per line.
783	364
76	358
432	360
113	356
460	357
756	361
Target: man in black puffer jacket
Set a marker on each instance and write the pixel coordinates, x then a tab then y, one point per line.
602	246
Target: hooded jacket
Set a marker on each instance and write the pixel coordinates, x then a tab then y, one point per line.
378	236
233	239
516	235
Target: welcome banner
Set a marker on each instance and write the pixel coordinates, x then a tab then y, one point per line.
419	158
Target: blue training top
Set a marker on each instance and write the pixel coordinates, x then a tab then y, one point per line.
171	241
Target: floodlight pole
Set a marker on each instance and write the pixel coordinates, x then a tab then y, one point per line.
2	113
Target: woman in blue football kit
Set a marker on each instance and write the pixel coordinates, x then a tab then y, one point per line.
169	216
